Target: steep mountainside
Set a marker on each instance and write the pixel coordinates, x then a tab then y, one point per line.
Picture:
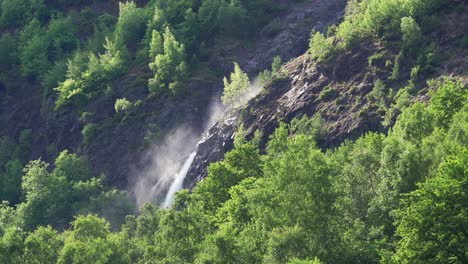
339	90
117	147
234	131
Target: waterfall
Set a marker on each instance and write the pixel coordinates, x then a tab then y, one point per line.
163	174
178	181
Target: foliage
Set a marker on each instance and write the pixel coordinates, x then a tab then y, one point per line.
236	87
8	56
85	81
18	12
266	76
376	19
122	105
33	45
450	97
319	46
432	222
411	33
52	198
168	64
42	246
328	93
62	37
378	95
130	26
393	198
90	241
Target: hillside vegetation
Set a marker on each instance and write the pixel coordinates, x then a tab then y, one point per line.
396	195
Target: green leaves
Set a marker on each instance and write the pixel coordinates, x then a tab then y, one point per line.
85	82
450	97
411	33
432	223
235	89
168	64
42	246
130	26
53	198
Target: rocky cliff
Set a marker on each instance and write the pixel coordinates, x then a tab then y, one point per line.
339	90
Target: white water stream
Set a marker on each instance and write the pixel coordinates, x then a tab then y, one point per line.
178	181
165	173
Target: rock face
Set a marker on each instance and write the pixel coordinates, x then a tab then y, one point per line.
338	90
306	89
212	147
287	36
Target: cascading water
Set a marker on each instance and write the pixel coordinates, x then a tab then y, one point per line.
164	173
178	182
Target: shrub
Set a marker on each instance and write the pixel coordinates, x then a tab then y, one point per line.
266	76
55	75
319	46
122	105
328	93
378	95
232	18
396	68
276	64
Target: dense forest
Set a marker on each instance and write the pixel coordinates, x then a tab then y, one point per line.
393	194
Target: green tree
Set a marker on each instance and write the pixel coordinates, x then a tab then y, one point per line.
285	244
231	19
432	223
33	50
86	82
11	245
169	67
18	12
411	34
8	56
10	182
62	36
53	198
276	65
235	88
90	241
130	26
449	98
42	246
266	76
319	46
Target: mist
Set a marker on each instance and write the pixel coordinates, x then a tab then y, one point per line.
168	161
163	161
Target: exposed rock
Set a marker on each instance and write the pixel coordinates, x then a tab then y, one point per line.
286	36
212	147
297	94
337	90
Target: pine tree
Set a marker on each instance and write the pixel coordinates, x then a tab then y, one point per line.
236	87
169	64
